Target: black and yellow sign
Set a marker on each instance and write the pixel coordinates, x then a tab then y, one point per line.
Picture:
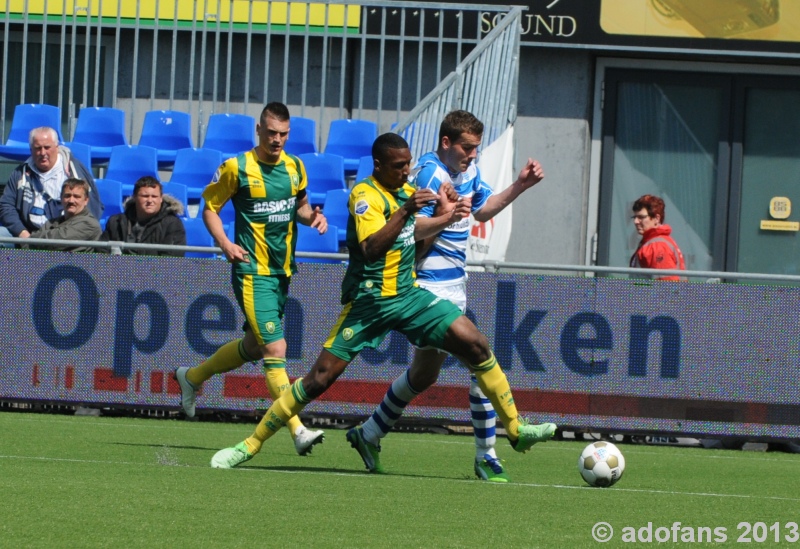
746	26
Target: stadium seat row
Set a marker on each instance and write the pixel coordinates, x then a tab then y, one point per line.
168	131
101	139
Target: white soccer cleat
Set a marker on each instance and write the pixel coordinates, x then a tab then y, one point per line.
305	439
188	391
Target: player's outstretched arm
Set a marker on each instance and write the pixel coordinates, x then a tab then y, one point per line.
531	174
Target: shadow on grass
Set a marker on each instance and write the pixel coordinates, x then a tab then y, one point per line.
354	472
173	446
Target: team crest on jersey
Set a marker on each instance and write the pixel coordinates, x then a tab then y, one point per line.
368	284
347	334
361	207
270	326
295	179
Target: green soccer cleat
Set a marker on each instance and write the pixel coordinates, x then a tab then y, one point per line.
491	469
531	434
228	458
369	453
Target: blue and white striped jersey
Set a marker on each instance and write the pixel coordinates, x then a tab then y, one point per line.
445	260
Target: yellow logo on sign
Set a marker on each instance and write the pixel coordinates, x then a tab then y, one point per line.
780	207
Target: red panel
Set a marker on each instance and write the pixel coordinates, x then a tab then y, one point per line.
244	386
756	413
105	380
611	405
156	382
438	396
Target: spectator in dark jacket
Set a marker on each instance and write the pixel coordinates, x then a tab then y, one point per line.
76	223
31	195
150	217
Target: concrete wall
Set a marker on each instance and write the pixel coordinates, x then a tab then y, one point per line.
555	102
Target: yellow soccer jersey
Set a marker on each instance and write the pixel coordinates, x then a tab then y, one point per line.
265	199
371	205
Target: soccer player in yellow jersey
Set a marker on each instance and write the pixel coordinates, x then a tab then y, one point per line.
379	294
268	189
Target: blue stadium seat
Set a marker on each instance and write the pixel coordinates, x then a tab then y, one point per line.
309	240
111	197
302	136
325	172
230	134
178	191
82	152
351	139
336	212
101	128
197	235
26	118
195	168
167	132
227	214
130	162
365	167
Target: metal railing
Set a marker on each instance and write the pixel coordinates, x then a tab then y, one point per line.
117	248
372	60
484	83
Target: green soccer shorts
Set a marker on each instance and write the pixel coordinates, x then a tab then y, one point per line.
262	299
364	322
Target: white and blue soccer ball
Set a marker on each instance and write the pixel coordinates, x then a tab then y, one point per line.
601	464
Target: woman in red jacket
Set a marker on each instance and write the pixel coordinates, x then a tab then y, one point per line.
656	250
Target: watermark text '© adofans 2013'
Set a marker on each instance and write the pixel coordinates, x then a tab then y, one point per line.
677	532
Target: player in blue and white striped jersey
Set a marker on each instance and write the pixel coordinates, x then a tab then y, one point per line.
441	262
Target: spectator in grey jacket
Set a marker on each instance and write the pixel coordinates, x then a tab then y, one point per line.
76	223
31	195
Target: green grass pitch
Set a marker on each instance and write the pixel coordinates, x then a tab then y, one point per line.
70	481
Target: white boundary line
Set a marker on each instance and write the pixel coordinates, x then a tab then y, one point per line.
366	476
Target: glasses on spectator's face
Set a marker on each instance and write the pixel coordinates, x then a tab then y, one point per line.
640	217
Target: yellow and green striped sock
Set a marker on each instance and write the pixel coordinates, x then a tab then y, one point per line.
289	404
228	357
494	384
277	382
